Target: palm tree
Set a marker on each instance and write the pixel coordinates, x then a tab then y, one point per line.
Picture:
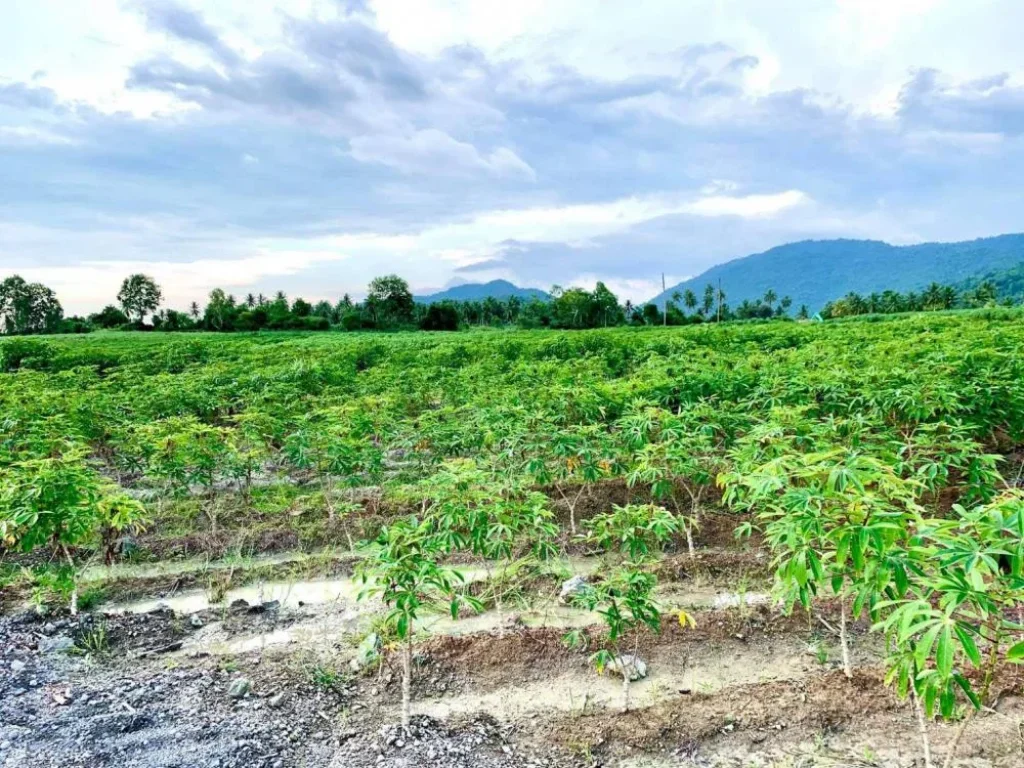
250	301
709	298
690	299
261	300
785	304
770	297
194	310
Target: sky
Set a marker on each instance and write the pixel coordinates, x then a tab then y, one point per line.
310	145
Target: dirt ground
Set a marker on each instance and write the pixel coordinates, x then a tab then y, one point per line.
263	680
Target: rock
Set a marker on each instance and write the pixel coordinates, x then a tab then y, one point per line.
276	700
195	621
238	606
239	687
269	605
58	644
636	666
367	653
572	588
17	666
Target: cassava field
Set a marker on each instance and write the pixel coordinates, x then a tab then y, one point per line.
772	544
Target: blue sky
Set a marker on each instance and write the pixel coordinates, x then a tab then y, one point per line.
310	145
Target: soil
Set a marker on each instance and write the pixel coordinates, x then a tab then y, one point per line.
161	675
743	688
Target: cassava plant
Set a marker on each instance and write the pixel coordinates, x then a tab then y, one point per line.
959	623
402	569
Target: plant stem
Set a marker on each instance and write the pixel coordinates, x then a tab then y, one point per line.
990	668
407	681
922	727
74	580
844	640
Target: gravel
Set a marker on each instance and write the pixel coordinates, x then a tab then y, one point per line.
129	707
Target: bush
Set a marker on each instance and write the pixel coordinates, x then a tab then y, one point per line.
24	353
440	317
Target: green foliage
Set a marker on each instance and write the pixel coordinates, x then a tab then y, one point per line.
28	307
139	295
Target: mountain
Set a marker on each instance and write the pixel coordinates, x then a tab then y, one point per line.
1009	283
813	272
498	289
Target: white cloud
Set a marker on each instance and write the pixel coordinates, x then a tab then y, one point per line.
422	256
92	284
435	152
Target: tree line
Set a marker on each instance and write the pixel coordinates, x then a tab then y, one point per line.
935	297
32	308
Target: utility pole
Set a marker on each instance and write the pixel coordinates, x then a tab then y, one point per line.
666	298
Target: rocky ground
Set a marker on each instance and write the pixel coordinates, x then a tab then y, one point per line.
70	698
157	690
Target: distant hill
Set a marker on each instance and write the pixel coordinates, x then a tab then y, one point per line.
1009	283
813	272
498	289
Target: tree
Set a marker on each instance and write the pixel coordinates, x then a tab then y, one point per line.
709	299
690	299
440	316
803	313
220	311
28	307
606	309
785	304
139	295
250	301
770	297
390	301
193	310
109	317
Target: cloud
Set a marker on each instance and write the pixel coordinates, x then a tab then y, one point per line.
988	105
435	152
27	96
174	19
318	143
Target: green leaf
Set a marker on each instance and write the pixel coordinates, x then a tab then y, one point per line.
969	646
1016	653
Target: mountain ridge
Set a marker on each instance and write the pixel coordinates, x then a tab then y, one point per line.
498	289
813	272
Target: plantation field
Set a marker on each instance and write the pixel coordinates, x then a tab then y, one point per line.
775	543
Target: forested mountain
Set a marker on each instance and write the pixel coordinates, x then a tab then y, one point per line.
1008	283
813	272
496	289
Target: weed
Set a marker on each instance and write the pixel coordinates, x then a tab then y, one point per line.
94	642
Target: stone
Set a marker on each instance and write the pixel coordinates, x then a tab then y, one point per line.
195	621
239	688
572	588
238	606
636	666
276	700
58	644
17	666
